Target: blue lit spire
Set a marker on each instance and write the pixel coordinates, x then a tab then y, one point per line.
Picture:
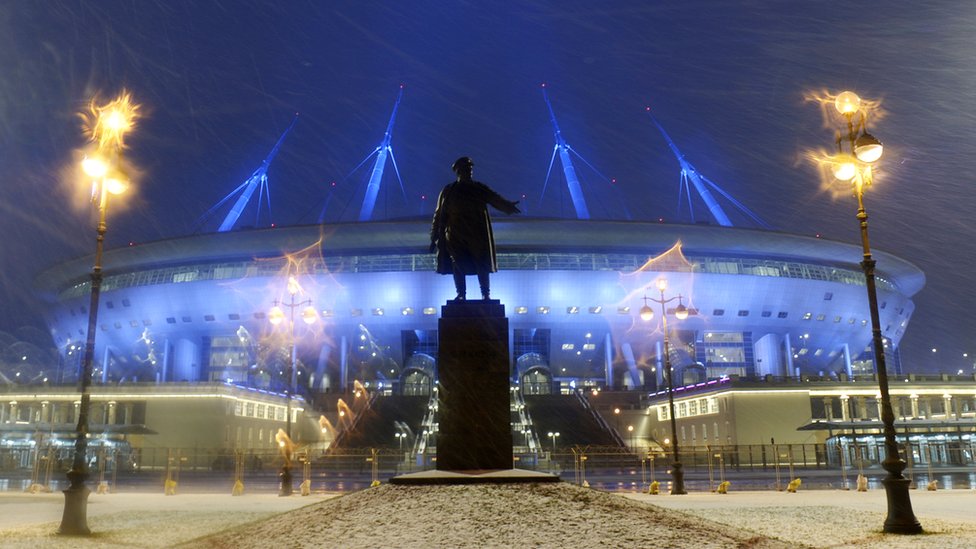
702	184
382	151
563	149
258	179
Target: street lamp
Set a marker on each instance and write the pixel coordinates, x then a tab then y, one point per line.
400	437
854	165
553	436
107	126
681	313
276	316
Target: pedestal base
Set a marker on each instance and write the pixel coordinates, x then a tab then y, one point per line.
507	476
475	432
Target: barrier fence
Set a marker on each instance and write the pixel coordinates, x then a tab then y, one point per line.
766	466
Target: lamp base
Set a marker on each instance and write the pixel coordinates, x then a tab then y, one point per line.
901	519
285	477
74	521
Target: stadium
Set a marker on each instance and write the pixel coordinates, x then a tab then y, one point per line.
197	308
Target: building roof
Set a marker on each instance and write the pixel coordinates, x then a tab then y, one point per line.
511	235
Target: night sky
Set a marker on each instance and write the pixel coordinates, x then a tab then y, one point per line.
219	81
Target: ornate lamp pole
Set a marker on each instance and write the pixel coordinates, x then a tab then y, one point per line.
276	316
681	313
108	125
854	165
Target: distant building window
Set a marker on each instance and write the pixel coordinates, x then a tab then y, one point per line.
187	319
807	316
356	312
596	310
126	303
109	304
836	319
884	304
233	316
134	323
820	317
767	314
209	318
259	315
718	312
782	314
118	325
623	310
828	296
147	322
743	313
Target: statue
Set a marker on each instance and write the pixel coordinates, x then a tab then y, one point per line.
461	231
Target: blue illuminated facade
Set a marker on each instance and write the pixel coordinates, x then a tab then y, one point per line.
196	308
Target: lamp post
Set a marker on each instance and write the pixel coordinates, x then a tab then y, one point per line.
108	125
681	313
854	165
276	316
553	436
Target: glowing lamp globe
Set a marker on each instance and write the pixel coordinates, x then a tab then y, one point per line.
276	315
646	313
115	186
847	102
867	148
309	315
681	312
94	167
844	171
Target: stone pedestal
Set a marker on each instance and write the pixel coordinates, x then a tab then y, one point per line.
475	432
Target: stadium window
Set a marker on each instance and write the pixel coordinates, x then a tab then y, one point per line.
209	318
186	319
542	310
572	310
126	303
623	310
259	315
767	314
596	310
110	304
782	314
828	296
820	317
521	310
233	316
836	319
134	323
170	320
807	316
743	313
718	312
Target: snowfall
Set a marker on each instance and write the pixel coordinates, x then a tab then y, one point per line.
491	515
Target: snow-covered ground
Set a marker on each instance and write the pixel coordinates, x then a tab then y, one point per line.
528	515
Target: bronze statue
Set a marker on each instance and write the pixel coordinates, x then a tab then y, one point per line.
461	230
